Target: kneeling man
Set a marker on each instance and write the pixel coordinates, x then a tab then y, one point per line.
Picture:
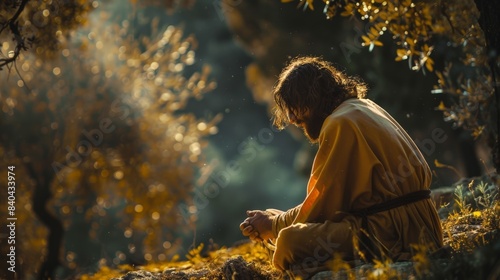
369	183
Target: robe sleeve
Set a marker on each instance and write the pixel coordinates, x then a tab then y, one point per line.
284	219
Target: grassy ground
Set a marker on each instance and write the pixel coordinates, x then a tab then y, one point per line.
471	234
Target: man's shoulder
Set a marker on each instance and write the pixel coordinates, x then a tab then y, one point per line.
354	105
358	109
343	118
350	110
353	113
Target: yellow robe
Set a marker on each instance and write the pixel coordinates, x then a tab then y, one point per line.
364	158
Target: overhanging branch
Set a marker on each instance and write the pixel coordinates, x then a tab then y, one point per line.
13	25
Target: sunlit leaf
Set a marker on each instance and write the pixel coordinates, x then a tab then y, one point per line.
438	164
348	10
401	52
429	64
441	106
366	40
310	4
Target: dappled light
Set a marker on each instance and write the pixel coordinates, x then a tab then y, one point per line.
137	136
105	111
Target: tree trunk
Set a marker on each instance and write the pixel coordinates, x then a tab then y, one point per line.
490	24
41	196
40	199
468	153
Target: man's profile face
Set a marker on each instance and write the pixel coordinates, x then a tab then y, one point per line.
309	121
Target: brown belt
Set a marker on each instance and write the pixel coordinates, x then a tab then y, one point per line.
393	203
384	206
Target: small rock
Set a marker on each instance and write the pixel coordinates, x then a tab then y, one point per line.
140	274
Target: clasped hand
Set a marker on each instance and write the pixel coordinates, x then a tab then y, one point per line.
258	225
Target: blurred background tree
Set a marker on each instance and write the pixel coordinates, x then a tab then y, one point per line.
97	132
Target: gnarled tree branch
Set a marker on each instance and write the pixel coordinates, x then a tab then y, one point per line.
13	26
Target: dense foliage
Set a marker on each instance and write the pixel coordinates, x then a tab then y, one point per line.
105	109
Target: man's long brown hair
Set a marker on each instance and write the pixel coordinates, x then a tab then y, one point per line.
312	84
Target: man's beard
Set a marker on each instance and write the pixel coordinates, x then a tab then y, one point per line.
312	127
